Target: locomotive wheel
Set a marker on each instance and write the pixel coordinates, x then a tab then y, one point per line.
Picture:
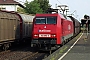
6	46
67	40
62	43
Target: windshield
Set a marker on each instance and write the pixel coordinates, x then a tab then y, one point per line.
45	20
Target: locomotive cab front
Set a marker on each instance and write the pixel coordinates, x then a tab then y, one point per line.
44	31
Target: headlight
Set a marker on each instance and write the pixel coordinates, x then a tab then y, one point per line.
35	35
53	35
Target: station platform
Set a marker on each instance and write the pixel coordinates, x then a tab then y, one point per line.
77	49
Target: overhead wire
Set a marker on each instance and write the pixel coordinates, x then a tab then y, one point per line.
59	1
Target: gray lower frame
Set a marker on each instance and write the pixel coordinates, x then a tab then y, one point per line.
67	36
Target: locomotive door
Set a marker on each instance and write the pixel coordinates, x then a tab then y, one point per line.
62	29
62	26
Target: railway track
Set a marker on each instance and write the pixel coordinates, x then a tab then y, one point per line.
4	52
22	53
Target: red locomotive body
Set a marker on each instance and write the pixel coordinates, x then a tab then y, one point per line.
51	30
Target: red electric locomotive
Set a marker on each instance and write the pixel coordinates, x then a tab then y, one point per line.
51	31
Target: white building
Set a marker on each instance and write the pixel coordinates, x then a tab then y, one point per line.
9	5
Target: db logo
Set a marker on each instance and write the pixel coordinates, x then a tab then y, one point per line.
44	30
69	27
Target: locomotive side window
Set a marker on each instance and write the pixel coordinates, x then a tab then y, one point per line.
69	19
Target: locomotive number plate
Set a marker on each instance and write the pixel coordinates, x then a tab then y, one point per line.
44	35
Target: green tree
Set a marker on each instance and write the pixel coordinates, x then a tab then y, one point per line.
33	7
44	4
20	10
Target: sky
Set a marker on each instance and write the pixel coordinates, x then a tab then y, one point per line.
79	7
